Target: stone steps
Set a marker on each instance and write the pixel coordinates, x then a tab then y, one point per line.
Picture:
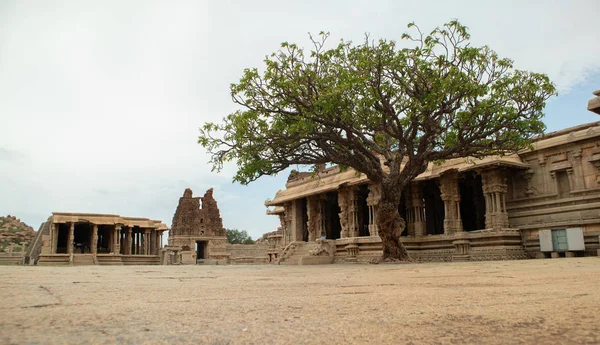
109	259
53	260
83	260
301	250
11	260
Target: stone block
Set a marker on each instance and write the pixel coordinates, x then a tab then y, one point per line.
569	254
555	255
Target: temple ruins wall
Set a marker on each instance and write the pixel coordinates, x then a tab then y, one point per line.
248	253
470	210
561	189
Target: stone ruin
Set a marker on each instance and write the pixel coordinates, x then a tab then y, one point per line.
197	216
197	232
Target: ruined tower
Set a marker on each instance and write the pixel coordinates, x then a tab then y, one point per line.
197	231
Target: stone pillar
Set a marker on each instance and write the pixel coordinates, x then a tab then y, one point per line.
146	242
94	246
417	211
451	197
494	191
137	242
297	221
353	213
129	241
373	202
287	232
71	238
312	207
117	239
344	204
54	238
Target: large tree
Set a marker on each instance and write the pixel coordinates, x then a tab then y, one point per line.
384	110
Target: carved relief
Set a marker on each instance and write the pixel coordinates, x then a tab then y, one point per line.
451	197
343	201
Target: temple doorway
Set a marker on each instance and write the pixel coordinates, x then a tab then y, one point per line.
434	208
472	202
104	238
62	239
200	250
362	208
333	228
82	238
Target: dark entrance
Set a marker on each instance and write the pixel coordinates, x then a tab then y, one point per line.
104	238
82	239
62	239
363	210
333	228
200	250
472	203
434	208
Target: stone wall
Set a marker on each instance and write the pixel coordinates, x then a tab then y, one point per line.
248	253
562	187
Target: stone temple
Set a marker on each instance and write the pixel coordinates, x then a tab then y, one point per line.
541	202
537	203
102	239
197	232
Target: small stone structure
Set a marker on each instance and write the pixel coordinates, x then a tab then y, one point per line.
197	233
97	239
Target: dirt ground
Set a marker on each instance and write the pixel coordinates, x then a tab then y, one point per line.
552	301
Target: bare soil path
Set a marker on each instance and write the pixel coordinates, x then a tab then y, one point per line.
552	301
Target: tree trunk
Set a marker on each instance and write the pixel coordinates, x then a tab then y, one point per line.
391	225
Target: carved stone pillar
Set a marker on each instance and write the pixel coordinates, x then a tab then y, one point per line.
287	230
94	248
312	208
323	217
129	241
373	202
416	212
344	204
54	238
353	223
117	238
494	191
451	197
71	238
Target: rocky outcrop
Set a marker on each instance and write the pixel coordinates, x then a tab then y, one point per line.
13	233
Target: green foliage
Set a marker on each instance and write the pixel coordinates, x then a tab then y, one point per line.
235	236
360	105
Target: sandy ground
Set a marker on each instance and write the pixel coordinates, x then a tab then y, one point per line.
552	301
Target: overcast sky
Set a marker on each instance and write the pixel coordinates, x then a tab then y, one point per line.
100	101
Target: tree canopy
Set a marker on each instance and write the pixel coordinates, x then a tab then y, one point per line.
381	108
235	236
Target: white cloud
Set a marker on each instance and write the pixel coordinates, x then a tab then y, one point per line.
104	99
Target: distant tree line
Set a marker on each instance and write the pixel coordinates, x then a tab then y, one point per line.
235	236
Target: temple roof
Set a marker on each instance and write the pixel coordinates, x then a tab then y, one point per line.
333	179
107	219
